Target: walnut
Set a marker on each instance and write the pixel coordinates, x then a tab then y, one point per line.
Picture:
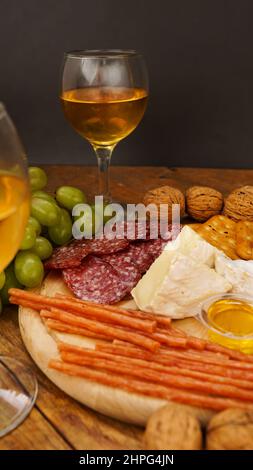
165	195
239	204
203	202
231	429
171	427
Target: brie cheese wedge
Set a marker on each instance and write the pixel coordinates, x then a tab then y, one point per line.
238	273
181	278
192	244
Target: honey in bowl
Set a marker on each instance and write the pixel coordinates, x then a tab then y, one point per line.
229	320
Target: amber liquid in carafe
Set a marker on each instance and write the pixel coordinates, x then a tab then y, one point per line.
104	115
14	211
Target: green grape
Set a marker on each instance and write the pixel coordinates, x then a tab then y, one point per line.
68	197
37	177
2	279
44	195
44	231
28	239
34	223
29	269
62	232
10	281
42	248
45	212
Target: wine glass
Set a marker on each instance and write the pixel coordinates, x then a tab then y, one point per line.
18	386
104	95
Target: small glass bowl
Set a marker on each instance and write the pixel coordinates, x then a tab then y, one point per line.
225	336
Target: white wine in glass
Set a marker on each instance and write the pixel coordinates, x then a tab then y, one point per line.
18	385
14	190
104	96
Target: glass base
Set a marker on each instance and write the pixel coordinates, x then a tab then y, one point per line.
18	392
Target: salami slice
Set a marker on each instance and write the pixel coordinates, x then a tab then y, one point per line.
140	256
127	270
71	255
137	230
105	247
137	258
143	253
96	280
131	230
146	229
155	247
68	256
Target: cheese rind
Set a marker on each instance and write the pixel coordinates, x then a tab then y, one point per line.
238	273
186	286
192	244
181	278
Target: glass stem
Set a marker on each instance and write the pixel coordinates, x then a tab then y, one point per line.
104	158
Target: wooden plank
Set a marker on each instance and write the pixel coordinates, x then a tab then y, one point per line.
129	184
85	429
126	182
35	433
225	180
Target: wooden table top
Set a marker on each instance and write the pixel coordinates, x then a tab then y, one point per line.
57	421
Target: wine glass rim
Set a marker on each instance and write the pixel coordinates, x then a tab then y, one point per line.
102	53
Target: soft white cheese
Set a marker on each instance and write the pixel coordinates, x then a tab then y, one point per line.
180	278
192	244
238	273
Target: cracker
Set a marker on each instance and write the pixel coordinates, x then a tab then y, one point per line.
244	239
220	231
194	226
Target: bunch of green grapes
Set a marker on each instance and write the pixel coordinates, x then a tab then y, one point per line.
49	225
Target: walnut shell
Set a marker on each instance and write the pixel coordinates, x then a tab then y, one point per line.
203	202
231	429
171	427
165	195
239	204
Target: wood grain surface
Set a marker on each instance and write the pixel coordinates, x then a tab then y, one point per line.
57	421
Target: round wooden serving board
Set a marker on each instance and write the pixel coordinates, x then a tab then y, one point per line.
115	403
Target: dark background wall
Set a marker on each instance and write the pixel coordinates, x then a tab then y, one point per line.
200	60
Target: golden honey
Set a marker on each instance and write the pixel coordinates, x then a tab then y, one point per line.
231	323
